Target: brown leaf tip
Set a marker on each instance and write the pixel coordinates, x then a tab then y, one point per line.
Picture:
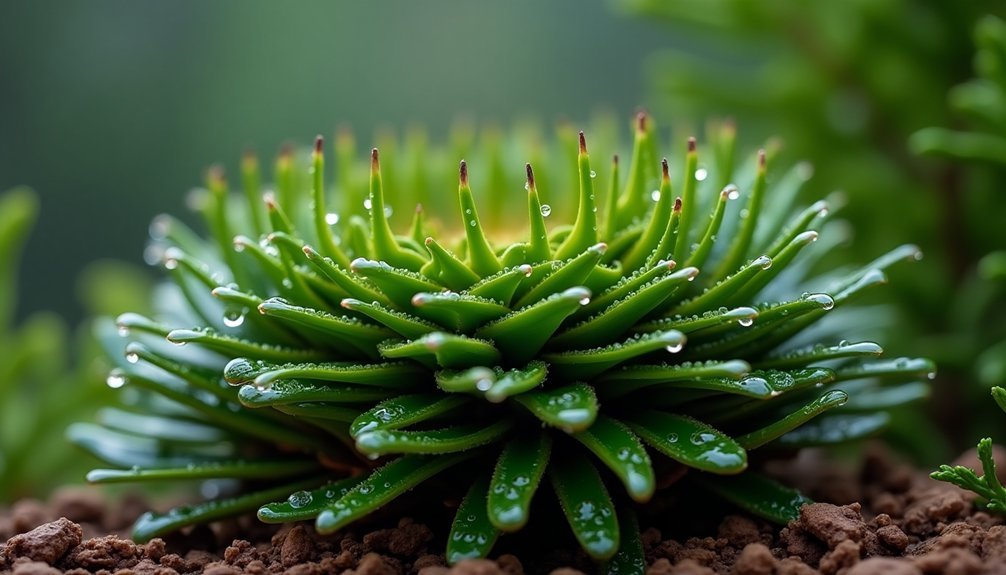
463	173
419	208
691	144
614	160
583	144
319	143
530	176
641	121
677	204
215	174
375	159
270	201
664	171
761	159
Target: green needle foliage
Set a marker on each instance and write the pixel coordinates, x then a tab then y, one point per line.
331	363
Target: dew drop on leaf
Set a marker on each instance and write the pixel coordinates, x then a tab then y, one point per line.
116	379
300	499
593	174
546	210
655	195
745	321
331	218
701	174
234	318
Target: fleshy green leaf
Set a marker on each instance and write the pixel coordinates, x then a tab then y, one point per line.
382	486
515	480
758	495
586	504
571	408
690	442
623	453
472	535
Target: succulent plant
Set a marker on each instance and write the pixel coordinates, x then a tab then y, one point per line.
331	364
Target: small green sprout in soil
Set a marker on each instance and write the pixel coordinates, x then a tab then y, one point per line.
990	491
331	364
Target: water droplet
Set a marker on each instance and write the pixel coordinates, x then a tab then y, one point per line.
179	343
584	300
700	437
546	210
672	438
931	375
234	318
132	357
701	174
483	384
745	321
116	379
123	331
655	195
675	347
367	204
527	186
733	193
766	263
331	218
300	499
471	223
824	300
170	263
388	211
153	254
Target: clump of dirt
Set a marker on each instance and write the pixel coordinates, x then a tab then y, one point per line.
884	518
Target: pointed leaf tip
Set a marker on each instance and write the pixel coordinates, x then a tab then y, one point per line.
319	143
530	176
614	160
677	204
583	144
641	121
761	159
691	144
375	159
463	173
664	171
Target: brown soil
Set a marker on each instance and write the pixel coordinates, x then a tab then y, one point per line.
884	518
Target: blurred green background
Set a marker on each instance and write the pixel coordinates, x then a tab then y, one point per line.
113	109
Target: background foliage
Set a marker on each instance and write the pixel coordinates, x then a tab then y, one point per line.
846	85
